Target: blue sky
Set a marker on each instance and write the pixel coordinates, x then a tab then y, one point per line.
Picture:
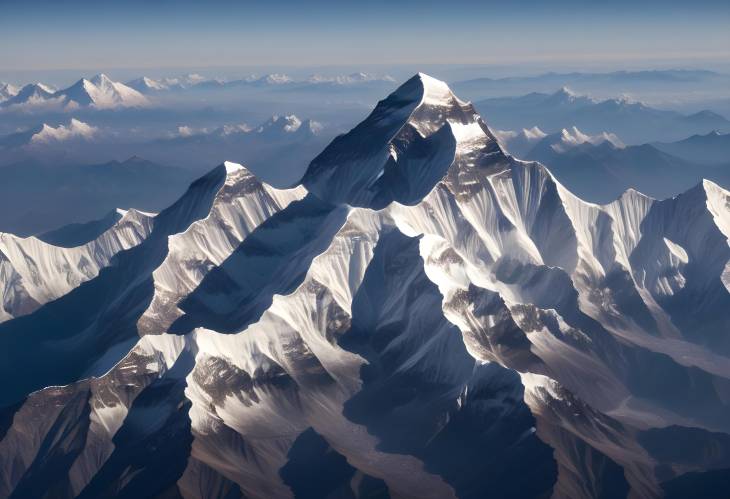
43	35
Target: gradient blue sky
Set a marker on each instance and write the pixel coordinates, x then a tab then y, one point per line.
88	35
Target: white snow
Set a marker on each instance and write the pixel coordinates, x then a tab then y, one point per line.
232	167
571	137
106	93
32	271
533	133
511	251
75	129
7	90
436	92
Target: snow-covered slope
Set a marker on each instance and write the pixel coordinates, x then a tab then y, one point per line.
7	91
424	316
33	272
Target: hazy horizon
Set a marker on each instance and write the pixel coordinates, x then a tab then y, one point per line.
89	36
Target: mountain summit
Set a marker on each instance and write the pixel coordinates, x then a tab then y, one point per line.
102	93
402	149
423	316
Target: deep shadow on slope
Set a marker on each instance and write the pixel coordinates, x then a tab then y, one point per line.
273	259
317	471
95	324
424	395
151	448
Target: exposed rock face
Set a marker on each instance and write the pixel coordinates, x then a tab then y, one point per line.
424	316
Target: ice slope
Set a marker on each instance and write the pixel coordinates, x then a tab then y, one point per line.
33	272
448	320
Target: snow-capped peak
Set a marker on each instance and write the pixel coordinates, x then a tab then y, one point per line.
287	124
46	88
356	167
102	93
275	79
101	80
7	91
146	84
358	77
473	279
436	92
520	143
571	137
31	94
566	91
533	133
75	129
232	167
565	96
33	91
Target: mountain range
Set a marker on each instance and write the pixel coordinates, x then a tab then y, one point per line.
661	86
599	168
711	148
634	122
423	315
151	85
99	92
45	134
7	90
278	149
521	143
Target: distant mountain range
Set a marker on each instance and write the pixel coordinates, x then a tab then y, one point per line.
600	168
711	148
35	198
46	134
146	85
634	122
99	92
150	85
657	85
277	149
521	143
